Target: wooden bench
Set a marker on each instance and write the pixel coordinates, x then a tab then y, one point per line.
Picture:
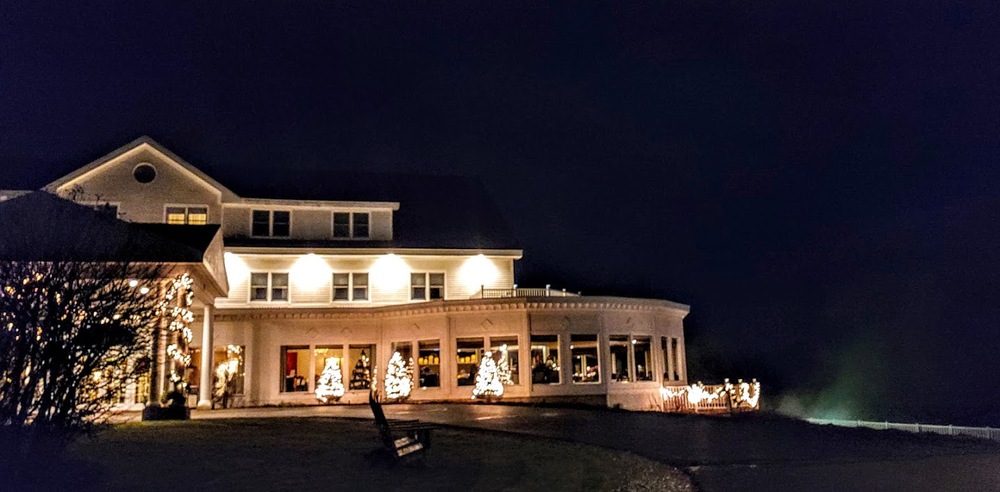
403	438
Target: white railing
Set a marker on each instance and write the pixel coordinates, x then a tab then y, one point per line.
948	430
714	398
548	291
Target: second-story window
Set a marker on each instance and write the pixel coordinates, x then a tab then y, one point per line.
350	286
351	224
266	286
276	223
426	286
187	215
359	225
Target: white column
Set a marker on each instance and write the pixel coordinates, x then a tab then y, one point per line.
682	361
207	365
669	349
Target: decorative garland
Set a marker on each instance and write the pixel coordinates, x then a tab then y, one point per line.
176	305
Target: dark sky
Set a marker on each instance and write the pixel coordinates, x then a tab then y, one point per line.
817	179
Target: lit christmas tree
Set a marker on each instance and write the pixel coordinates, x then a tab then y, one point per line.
503	367
330	386
488	383
398	378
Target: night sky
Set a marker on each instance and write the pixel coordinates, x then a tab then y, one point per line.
817	181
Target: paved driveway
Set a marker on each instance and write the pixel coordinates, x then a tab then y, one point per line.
756	453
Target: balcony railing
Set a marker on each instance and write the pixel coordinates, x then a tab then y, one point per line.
547	291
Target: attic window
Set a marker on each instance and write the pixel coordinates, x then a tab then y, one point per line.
144	173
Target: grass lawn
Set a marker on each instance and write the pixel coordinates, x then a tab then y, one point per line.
325	454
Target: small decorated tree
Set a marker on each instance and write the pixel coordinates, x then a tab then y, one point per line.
503	367
330	386
488	384
398	378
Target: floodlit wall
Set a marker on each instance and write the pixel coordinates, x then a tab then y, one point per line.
311	276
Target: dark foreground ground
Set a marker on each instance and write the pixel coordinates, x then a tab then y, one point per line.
320	453
756	452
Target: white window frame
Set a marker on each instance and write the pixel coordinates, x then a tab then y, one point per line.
270	222
427	286
632	376
597	341
350	287
350	225
270	288
187	211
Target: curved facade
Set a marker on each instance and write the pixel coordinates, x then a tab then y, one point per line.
599	350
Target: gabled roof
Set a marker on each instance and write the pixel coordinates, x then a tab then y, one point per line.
434	211
143	141
447	212
39	226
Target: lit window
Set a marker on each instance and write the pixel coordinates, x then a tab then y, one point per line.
361	374
501	348
262	284
426	286
467	353
583	350
295	361
620	353
267	223
429	363
228	373
643	356
545	359
350	286
197	215
351	224
187	215
328	357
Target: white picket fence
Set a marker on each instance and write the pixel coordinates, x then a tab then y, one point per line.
948	430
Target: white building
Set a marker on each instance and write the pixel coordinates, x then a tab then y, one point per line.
360	274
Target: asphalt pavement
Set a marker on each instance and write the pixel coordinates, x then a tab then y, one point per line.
755	452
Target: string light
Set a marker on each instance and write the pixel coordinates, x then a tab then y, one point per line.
398	378
743	396
178	298
330	386
488	384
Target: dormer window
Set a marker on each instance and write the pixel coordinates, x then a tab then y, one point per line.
348	225
274	223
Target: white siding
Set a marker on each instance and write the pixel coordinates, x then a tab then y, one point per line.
381	226
235	222
307	223
137	202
